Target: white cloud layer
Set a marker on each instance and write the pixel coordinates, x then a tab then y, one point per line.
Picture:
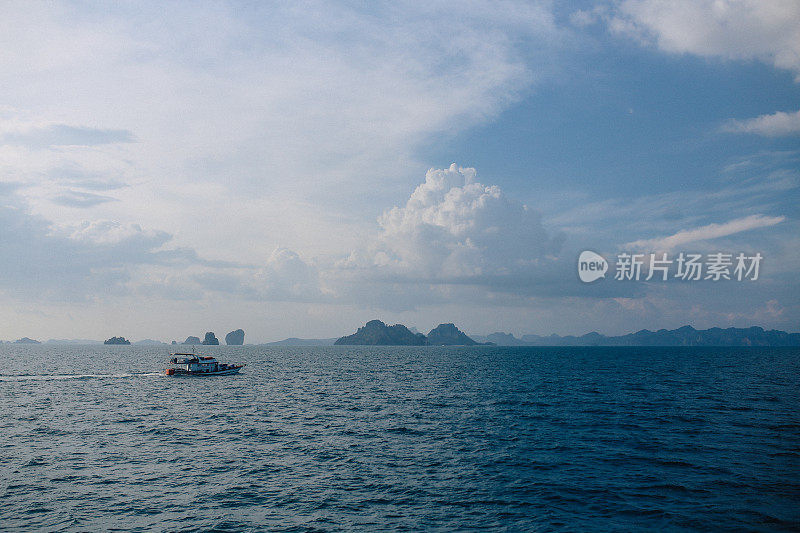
777	124
766	30
704	233
280	109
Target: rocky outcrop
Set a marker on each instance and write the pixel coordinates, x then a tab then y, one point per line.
449	335
211	339
192	340
376	333
26	340
117	340
235	338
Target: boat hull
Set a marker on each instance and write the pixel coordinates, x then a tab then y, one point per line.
175	372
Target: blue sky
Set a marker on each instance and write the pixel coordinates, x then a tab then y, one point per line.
287	168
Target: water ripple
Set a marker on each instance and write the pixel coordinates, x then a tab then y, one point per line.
343	438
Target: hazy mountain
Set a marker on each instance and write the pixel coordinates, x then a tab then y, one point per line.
684	336
500	339
72	341
294	341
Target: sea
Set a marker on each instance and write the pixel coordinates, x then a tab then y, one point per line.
97	438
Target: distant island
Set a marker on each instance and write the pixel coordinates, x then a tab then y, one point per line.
211	339
235	338
376	333
449	335
684	336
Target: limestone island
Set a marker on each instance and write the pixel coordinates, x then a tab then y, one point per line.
376	333
211	339
235	338
117	340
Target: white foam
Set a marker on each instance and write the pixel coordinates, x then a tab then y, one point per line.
58	377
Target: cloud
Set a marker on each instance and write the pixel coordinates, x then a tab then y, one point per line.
40	261
81	200
777	124
285	277
283	109
64	135
704	233
766	30
764	182
454	229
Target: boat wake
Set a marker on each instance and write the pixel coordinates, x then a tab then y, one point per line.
61	377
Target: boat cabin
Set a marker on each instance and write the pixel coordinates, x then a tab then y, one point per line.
189	364
194	363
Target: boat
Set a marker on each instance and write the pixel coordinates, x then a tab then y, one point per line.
189	364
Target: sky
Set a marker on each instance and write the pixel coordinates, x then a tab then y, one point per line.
297	169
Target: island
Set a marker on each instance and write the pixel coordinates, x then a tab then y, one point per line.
376	333
192	340
449	335
211	339
117	340
235	338
26	340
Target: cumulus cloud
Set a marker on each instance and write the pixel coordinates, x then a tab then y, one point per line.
765	30
775	125
705	233
455	229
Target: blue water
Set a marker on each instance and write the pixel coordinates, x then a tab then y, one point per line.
338	438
